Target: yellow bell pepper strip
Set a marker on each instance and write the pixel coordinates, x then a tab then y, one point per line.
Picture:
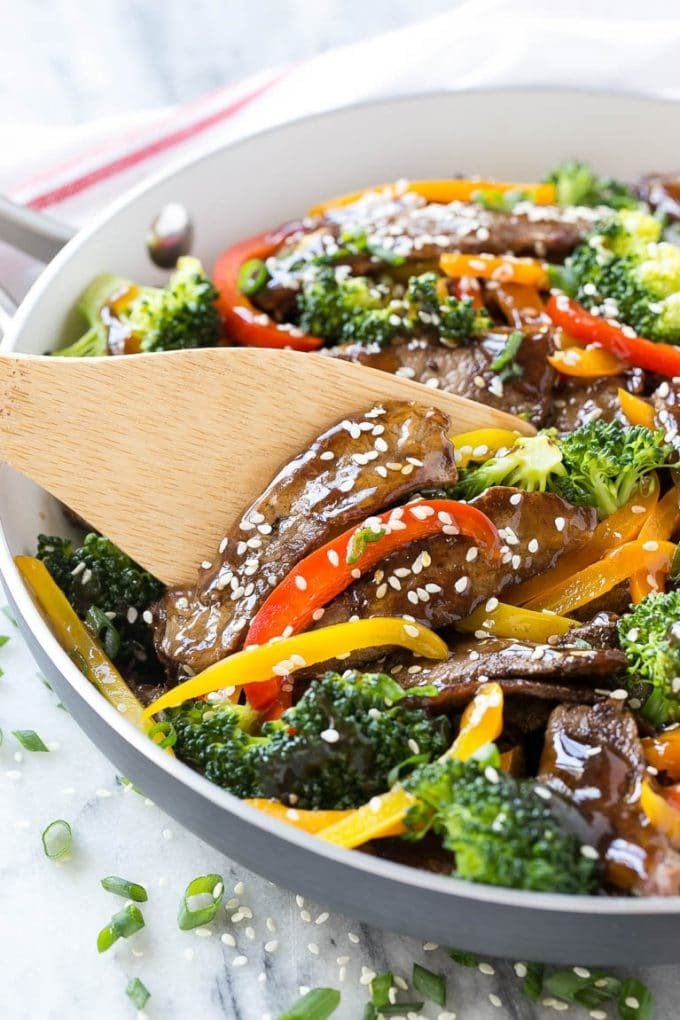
308	821
661	812
636	410
601	577
481	723
520	304
663	752
443	190
620	340
661	524
481	444
259	663
77	642
322	575
504	268
586	362
507	621
623	525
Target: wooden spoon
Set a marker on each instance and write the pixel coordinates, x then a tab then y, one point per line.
162	452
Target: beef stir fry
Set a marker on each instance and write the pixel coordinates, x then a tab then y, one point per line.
461	651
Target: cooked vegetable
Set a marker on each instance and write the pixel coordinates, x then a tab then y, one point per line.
659	526
503	268
282	658
481	723
500	830
126	318
308	821
334	749
57	839
659	808
444	190
520	624
243	323
108	591
599	464
636	410
650	637
624	271
455	319
201	900
619	340
577	184
587	363
326	572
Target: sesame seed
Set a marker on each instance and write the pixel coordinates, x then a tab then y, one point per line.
486	968
521	970
352	937
516	499
300	583
412	597
305	916
598	1014
228	939
632	1002
495	1000
271	946
313	948
333	557
637	509
322	918
491	604
327	455
330	736
533	545
619	694
472	554
461	584
650	546
317	615
560	523
239	889
381	591
239	961
589	852
581	972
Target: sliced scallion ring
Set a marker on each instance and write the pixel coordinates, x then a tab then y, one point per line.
252	276
317	1004
128	890
121	926
201	901
56	839
29	740
431	986
138	993
163	734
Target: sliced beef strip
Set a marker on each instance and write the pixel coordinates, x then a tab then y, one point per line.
662	191
331	486
466	370
599	631
521	667
577	401
427	579
594	759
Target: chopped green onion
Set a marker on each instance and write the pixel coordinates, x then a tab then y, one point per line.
121	887
464	958
121	926
370	1012
387	255
380	989
252	276
358	542
505	365
317	1004
499	201
102	628
3	640
127	784
138	993
429	984
533	982
590	991
201	901
56	839
29	740
167	733
635	1001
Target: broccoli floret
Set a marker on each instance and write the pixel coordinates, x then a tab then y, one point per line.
650	637
334	749
500	830
118	312
600	464
577	184
605	463
455	319
107	589
216	740
534	464
624	271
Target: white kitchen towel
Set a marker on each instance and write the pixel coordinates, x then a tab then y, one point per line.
73	172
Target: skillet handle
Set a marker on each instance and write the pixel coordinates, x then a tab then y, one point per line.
32	232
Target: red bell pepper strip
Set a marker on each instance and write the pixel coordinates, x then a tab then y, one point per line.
320	577
579	323
243	322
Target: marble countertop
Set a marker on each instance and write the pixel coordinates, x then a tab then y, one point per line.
252	961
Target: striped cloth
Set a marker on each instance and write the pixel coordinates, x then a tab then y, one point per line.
74	172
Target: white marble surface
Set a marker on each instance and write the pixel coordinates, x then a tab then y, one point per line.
64	62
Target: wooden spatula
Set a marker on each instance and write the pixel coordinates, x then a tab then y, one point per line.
162	451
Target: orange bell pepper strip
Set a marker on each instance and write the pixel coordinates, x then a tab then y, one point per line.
623	525
636	410
308	821
663	752
587	362
481	723
601	577
78	643
442	190
468	287
661	811
521	305
243	322
322	575
283	657
480	444
513	761
514	622
588	328
504	268
661	524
